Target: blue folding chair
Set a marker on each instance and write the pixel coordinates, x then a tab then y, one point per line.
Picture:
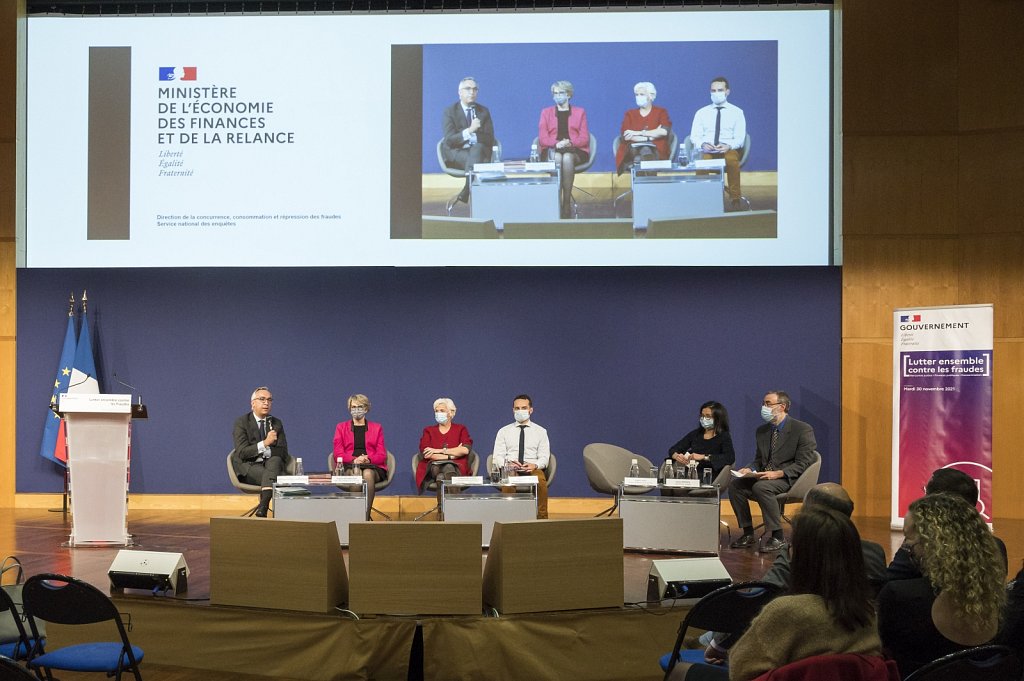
70	601
982	663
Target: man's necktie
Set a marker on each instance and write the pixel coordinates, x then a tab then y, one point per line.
522	443
263	429
771	448
469	118
718	124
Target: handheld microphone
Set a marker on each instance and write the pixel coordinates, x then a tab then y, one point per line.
472	112
270	423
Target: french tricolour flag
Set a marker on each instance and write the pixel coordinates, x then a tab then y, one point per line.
177	73
910	317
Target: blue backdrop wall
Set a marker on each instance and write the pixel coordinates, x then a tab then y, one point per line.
619	355
515	84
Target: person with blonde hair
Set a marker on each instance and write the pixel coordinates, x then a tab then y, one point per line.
359	447
958	601
563	132
445	446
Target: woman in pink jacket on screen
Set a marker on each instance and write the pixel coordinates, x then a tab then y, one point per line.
359	447
564	138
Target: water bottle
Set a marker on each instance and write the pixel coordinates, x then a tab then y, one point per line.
634	469
706	478
534	154
691	472
298	467
495	154
682	160
653	472
667	470
495	472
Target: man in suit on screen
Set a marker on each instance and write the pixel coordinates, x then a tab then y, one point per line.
261	448
468	133
785	447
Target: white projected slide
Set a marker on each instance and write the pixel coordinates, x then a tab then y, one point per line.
267	141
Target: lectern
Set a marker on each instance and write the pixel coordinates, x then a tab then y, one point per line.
97	428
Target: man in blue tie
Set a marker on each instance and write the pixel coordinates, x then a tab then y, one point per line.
468	133
785	447
524	446
719	130
261	448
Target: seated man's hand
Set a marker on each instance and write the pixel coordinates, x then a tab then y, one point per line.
528	468
708	148
271	438
743	471
770	475
474	125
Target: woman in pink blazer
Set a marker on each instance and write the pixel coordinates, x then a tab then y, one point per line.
359	447
565	138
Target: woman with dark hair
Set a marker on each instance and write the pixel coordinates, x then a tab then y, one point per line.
957	602
828	609
710	445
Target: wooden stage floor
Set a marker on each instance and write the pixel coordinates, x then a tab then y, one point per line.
35	536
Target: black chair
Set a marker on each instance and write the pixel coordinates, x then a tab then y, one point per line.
728	610
12	671
983	663
70	601
16	643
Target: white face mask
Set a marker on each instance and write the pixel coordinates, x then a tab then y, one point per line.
767	415
561	98
642	101
521	415
718	98
357	412
441	417
706	422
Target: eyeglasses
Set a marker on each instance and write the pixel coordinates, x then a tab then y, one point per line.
770	404
469	89
263	399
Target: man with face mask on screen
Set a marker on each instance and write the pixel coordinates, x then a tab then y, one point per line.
785	447
524	446
719	131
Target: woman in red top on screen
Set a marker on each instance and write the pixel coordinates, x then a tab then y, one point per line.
445	446
359	447
645	130
564	138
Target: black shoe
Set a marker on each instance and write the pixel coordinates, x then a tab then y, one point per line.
773	545
744	542
260	512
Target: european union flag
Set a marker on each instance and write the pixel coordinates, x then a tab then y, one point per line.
52	447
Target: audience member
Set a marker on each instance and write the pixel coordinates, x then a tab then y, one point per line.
828	610
957	602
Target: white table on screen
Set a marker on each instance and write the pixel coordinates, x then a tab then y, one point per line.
487	504
325	501
515	194
683	524
678	192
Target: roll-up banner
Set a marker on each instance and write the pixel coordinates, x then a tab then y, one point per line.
942	400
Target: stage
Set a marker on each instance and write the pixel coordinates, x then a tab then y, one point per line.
186	637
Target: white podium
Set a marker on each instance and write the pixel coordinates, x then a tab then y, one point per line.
97	428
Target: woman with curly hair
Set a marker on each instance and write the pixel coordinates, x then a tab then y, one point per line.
958	601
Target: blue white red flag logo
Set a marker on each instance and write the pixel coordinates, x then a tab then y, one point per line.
910	317
178	72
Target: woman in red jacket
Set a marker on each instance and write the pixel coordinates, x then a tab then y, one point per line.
445	446
645	130
359	447
563	134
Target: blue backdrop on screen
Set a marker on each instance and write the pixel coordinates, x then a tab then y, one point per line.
515	84
619	355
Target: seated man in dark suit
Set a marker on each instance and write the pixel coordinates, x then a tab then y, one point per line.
261	449
785	447
944	480
468	133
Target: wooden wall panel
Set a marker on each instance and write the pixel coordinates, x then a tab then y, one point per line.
899	66
992	271
1007	429
991	176
880	274
8	70
7	188
990	54
867	425
899	184
9	13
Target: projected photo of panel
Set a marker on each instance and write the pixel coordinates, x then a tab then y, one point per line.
499	120
337	140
